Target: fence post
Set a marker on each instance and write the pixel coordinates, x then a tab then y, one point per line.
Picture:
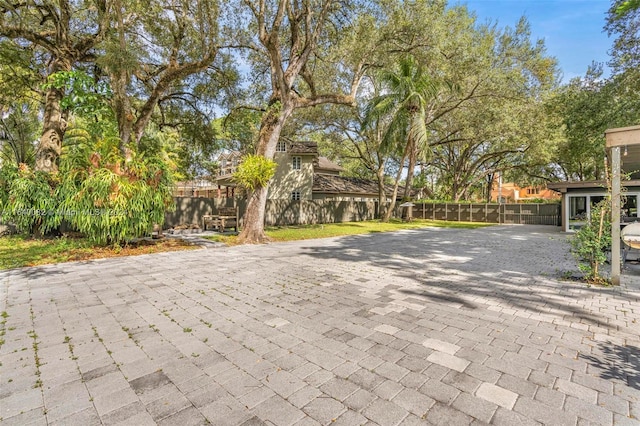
470	212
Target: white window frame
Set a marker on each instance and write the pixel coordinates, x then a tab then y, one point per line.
296	162
281	146
296	196
577	224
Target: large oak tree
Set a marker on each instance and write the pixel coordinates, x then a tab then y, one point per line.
66	33
291	41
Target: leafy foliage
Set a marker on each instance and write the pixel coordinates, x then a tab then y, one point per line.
8	173
97	192
623	21
19	128
83	95
627	6
108	198
591	242
28	199
254	172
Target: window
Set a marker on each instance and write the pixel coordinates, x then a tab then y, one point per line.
295	195
577	211
630	207
580	207
281	146
297	161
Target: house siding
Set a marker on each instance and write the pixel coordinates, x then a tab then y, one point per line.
286	179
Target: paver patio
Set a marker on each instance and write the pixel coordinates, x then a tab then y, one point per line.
431	326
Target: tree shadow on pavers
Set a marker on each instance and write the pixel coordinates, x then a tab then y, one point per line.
616	362
33	272
436	297
525	296
514	266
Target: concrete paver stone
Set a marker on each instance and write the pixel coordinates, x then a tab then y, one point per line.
429	326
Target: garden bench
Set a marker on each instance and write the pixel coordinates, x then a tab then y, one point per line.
227	217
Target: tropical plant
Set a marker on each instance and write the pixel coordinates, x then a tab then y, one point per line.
591	243
254	172
29	200
110	198
19	128
403	107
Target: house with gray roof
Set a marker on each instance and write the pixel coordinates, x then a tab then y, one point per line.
302	174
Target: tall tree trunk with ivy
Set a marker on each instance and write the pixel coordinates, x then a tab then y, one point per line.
54	123
54	30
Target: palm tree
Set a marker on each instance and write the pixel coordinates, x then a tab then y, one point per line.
404	108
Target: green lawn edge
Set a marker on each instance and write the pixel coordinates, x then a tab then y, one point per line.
18	251
328	230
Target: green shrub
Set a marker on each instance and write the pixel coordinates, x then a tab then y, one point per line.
8	173
96	191
591	243
29	200
254	172
110	199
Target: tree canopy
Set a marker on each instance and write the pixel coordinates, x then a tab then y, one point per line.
400	92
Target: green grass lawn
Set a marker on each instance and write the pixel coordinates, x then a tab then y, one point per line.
307	232
18	251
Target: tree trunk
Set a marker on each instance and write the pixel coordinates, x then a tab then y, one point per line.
119	77
122	109
412	165
54	124
387	214
253	229
382	196
489	186
270	128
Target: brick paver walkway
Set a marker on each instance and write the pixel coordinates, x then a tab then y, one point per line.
433	326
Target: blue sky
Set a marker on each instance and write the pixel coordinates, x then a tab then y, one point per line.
572	29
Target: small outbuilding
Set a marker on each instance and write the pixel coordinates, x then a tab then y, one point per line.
627	138
579	197
623	153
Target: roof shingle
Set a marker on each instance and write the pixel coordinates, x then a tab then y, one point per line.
333	184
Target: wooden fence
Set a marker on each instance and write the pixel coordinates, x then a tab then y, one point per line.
278	212
299	212
525	214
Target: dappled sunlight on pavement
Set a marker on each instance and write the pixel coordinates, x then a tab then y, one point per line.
427	326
